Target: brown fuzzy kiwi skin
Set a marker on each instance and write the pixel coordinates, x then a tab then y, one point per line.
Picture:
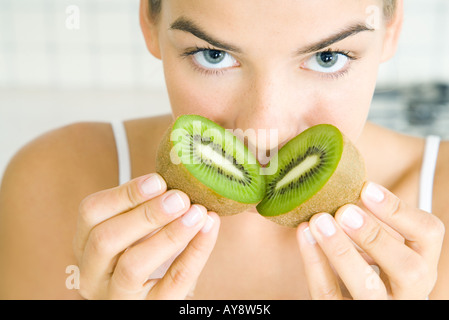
343	187
178	177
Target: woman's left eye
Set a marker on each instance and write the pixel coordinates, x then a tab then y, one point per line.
327	62
214	59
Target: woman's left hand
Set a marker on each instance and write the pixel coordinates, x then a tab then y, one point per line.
408	264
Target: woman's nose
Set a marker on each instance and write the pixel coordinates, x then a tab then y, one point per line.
262	124
268	111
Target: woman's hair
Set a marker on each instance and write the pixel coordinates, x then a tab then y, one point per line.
389	8
155	8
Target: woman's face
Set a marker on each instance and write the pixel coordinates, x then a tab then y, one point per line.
266	64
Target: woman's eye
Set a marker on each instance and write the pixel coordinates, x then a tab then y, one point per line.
214	59
327	62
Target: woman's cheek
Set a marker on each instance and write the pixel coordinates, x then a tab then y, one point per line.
356	97
189	96
192	92
343	107
182	89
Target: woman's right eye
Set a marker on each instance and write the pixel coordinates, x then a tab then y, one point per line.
328	62
213	59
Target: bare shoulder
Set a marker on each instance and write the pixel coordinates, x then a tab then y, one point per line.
39	198
40	193
441	210
61	155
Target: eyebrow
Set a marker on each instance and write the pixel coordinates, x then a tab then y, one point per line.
187	25
343	34
184	24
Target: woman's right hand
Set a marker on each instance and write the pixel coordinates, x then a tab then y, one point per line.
117	252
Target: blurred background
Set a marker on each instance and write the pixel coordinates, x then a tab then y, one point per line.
64	61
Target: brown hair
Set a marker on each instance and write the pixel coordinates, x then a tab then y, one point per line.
155	8
389	8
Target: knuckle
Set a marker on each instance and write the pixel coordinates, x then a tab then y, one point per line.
179	274
131	194
372	237
395	206
341	250
127	271
172	237
434	228
329	293
101	241
418	276
414	273
87	210
199	248
152	217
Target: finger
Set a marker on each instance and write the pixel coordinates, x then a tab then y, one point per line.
185	270
423	231
137	263
321	279
405	268
105	204
357	275
113	236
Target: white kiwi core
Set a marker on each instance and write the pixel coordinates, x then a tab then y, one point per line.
209	155
299	170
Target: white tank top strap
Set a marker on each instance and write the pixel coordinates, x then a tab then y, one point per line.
124	167
428	172
123	157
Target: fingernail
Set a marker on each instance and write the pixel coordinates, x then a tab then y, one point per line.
309	236
193	216
325	225
352	218
173	203
374	193
208	225
151	185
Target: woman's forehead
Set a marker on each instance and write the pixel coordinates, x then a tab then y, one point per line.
280	12
260	22
271	16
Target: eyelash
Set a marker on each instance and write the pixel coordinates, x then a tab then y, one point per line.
341	73
189	53
333	76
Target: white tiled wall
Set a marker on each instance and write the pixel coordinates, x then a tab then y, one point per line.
423	47
51	75
38	49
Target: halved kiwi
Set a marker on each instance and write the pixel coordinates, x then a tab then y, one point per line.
211	165
317	171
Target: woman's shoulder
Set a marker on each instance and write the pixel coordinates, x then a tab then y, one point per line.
40	193
62	152
83	149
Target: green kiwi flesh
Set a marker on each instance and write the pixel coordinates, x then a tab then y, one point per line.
211	165
317	171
